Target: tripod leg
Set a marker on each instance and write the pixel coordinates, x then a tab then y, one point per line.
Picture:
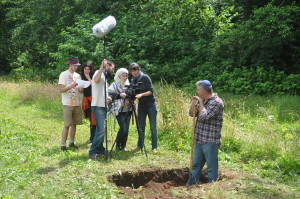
139	129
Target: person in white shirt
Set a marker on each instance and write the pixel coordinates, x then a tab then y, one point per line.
99	107
71	102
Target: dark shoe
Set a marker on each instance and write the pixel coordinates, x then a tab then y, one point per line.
188	184
63	148
72	145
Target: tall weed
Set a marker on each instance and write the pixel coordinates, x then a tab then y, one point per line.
175	125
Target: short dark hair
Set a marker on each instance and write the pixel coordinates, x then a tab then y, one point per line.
110	63
134	66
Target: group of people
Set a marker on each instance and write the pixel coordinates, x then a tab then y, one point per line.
207	108
99	99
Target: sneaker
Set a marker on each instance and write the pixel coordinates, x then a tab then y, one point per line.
63	148
73	146
154	150
125	149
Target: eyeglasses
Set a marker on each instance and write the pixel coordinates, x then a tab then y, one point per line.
133	69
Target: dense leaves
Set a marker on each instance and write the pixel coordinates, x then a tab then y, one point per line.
241	46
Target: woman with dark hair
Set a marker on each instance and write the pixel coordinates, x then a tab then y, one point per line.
87	71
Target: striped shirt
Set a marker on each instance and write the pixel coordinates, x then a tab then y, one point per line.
209	122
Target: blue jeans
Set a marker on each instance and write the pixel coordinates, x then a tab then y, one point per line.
151	111
97	144
208	153
123	121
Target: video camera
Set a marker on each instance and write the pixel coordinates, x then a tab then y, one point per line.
133	89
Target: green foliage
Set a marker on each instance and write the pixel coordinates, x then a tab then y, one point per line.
241	46
230	144
259	152
77	41
289	164
257	57
176	126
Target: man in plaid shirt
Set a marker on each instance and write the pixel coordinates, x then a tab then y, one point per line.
208	108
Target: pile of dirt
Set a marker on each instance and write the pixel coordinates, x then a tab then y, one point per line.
153	183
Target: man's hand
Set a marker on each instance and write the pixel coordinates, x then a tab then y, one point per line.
62	88
123	95
138	96
87	75
196	100
109	99
103	64
73	85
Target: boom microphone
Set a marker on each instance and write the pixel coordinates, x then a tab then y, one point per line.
104	26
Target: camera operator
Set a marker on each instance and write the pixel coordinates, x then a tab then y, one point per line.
120	106
146	106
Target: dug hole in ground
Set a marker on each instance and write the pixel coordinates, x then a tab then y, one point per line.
158	183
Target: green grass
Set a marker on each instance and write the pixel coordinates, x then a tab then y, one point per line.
262	150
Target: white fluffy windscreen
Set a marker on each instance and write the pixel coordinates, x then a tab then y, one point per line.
104	26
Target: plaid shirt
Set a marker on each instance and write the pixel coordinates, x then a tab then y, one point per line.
209	122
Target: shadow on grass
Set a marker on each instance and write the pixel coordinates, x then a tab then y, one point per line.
46	170
122	155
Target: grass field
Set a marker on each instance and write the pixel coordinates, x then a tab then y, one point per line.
260	155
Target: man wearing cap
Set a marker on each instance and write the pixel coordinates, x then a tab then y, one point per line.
71	102
208	108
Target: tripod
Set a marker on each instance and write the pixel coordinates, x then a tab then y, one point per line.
132	107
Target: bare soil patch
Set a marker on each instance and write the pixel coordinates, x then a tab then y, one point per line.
155	183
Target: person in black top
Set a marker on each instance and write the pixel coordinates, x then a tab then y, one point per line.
147	105
87	72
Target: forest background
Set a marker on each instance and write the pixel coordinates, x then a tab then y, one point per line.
250	47
250	50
